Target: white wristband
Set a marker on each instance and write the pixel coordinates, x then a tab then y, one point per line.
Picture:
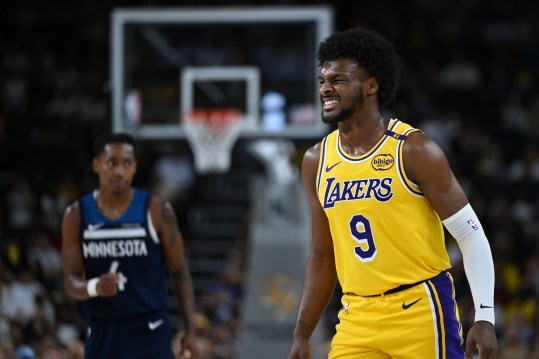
91	287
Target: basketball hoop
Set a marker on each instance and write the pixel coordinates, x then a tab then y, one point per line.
211	133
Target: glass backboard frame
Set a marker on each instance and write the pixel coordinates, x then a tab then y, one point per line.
320	16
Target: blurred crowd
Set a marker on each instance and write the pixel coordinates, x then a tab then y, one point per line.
470	81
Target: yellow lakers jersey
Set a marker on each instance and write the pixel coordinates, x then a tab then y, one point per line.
385	232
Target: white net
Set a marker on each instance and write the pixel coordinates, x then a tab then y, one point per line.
212	135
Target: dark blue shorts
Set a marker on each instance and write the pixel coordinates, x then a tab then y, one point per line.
144	337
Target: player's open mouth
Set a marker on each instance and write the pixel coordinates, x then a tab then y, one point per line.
329	104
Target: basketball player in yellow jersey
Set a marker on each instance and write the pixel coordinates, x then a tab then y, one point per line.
381	192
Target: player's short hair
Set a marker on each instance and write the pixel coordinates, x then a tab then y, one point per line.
371	51
108	138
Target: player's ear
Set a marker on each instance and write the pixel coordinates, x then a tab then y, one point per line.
372	85
95	165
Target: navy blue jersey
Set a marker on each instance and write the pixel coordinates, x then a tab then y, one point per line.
130	247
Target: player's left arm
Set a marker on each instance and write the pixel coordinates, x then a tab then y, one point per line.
426	164
166	224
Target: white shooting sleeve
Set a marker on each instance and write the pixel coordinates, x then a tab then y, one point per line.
465	227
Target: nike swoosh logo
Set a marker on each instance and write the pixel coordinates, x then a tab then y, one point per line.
329	168
406	306
93	227
156	324
484	306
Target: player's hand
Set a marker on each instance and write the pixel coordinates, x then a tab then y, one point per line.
300	349
483	338
106	287
188	346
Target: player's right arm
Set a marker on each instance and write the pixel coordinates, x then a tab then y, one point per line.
320	274
74	282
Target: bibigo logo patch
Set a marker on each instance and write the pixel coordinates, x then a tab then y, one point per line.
382	162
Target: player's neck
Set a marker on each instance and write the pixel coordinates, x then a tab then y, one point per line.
359	135
113	204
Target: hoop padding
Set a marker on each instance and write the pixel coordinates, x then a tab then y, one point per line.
212	133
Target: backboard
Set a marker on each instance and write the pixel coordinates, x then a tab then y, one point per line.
166	62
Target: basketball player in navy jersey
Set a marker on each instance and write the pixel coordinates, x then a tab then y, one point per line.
381	192
118	242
